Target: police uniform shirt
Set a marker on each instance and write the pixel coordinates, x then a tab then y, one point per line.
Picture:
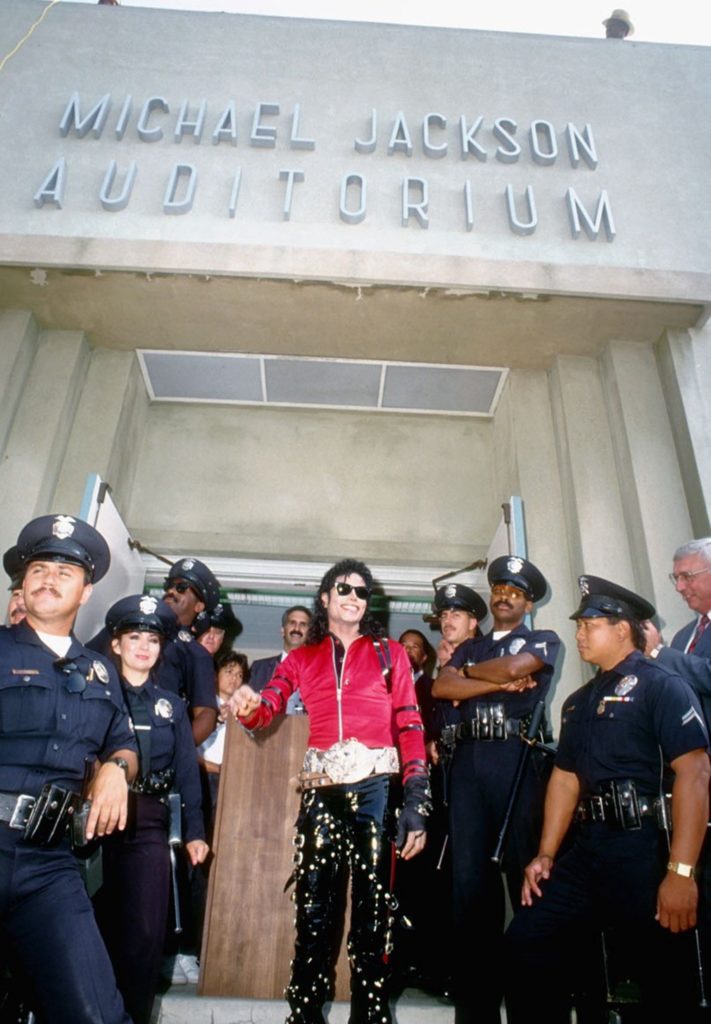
47	732
543	644
172	746
614	726
187	670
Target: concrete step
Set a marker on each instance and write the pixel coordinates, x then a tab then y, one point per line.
181	1005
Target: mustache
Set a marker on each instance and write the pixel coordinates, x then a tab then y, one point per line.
48	588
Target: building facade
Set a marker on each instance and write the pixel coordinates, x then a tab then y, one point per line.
298	289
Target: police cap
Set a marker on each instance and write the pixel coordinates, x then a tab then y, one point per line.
12	564
61	538
520	573
200	578
456	595
143	613
603	599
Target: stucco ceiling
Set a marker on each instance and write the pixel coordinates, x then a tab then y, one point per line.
236	314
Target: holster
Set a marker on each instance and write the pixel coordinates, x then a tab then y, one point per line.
51	815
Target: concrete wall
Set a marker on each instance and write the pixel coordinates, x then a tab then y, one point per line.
645	103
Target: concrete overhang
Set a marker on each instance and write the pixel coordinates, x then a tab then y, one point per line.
221	313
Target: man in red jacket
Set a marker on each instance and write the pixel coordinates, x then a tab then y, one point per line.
364	726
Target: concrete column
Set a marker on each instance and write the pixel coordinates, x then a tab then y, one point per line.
595	511
107	429
40	429
18	344
652	491
684	360
527	464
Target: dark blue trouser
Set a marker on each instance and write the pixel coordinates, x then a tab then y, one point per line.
132	904
607	880
48	921
481	777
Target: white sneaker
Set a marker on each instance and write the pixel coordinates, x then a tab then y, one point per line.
190	968
172	972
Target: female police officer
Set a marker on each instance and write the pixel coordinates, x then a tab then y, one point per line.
132	907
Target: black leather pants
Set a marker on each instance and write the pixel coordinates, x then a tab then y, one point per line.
341	827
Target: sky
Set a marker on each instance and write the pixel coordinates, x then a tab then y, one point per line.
658	21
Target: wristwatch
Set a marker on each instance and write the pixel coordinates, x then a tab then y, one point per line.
685	870
121	762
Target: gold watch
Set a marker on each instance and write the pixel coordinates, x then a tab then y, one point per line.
685	870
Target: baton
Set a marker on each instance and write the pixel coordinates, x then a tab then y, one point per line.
174	841
529	741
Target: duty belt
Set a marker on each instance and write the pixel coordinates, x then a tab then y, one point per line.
622	807
43	819
159	781
489	723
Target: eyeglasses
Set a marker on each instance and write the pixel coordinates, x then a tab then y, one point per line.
345	588
74	680
687	577
505	590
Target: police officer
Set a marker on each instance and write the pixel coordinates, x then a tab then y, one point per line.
132	906
186	668
620	734
62	720
498	679
16	606
459	610
212	628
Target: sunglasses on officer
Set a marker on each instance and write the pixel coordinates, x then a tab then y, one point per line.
74	681
343	589
179	586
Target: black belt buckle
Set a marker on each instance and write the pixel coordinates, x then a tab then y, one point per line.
623	794
49	816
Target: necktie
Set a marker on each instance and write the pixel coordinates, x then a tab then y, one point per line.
702	624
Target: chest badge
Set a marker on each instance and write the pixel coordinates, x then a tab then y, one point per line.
163	708
516	645
100	671
601	708
626	685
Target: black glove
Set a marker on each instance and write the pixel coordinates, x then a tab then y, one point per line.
416	806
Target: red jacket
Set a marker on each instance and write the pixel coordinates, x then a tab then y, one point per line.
372	712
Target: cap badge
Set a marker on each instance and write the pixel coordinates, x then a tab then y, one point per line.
63	526
625	685
102	673
516	644
163	708
584	586
187	564
514	565
450	590
147	605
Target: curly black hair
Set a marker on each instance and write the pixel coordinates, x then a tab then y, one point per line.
369	625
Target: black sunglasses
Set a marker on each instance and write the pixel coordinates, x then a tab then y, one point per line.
345	588
180	587
74	680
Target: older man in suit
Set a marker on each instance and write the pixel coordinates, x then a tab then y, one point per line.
690	656
690	650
